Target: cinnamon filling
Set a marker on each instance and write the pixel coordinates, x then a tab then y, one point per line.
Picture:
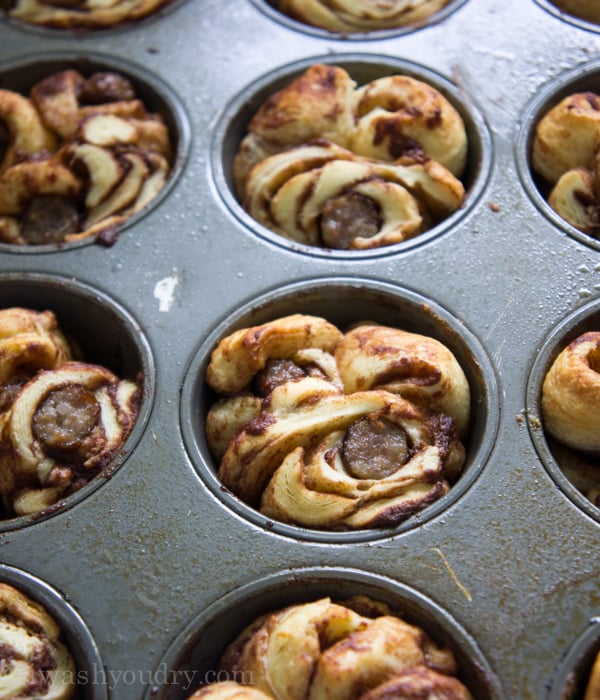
349	216
374	448
100	88
65	419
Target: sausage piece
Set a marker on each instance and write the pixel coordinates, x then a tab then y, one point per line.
274	373
48	219
349	216
374	448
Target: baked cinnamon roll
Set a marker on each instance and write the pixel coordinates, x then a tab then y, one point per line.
328	164
592	690
63	427
34	663
229	690
82	14
106	157
323	649
418	368
571	395
584	9
353	16
320	194
312	428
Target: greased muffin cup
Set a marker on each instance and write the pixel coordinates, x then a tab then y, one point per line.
345	302
75	635
509	552
192	659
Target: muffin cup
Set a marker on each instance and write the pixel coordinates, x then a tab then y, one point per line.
192	658
106	335
573	671
232	123
269	8
21	74
561	462
344	301
75	634
585	78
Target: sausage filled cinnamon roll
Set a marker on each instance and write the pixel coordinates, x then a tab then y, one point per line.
328	164
62	421
95	157
323	649
34	662
82	14
565	154
320	429
571	395
353	16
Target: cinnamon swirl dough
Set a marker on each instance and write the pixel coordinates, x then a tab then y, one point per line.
378	164
34	663
62	428
565	153
87	14
312	427
351	16
571	395
82	155
229	690
322	649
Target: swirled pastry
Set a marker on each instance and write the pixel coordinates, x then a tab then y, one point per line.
322	649
229	690
351	16
328	164
584	9
29	341
311	426
34	662
86	14
322	194
63	427
571	395
417	367
96	158
592	691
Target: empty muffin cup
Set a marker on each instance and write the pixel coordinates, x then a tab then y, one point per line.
192	659
77	389
362	22
90	144
555	403
375	196
336	304
555	149
65	638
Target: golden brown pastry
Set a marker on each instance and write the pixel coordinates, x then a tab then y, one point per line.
571	395
322	650
63	427
328	164
319	429
566	137
229	690
584	9
418	368
98	158
320	194
592	691
29	341
351	16
83	14
34	663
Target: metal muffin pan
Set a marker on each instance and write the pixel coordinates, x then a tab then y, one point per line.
513	560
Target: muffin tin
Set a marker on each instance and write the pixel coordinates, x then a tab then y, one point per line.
154	557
